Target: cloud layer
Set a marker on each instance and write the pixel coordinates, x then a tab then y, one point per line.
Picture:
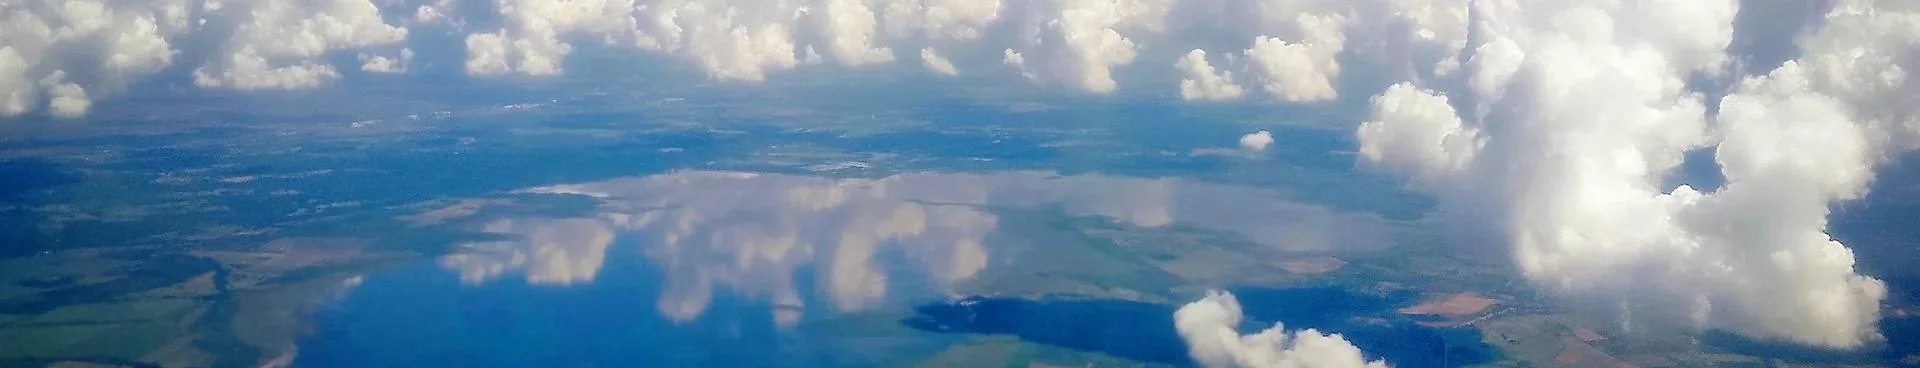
61	53
1572	114
1209	328
1557	122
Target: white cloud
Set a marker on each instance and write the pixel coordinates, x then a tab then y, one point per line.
1078	44
53	53
1074	43
936	63
431	13
1256	141
20	94
1866	56
1578	113
1202	82
68	100
851	31
1558	129
961	20
280	43
1084	40
531	43
1417	132
381	64
1017	61
734	43
1304	71
487	54
1209	328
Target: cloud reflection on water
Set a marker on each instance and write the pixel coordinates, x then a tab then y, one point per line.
762	236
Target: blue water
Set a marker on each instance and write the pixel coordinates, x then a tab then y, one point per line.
711	268
424	316
1145	331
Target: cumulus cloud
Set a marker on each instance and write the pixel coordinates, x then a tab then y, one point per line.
1417	132
851	29
52	53
936	63
960	20
427	13
1078	44
1086	39
1556	122
279	43
1304	71
68	100
1571	115
1256	141
531	43
382	64
730	41
1203	82
1209	328
433	12
1074	43
59	55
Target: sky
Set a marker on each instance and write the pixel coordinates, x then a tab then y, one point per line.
1550	126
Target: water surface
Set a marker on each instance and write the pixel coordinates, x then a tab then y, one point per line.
698	268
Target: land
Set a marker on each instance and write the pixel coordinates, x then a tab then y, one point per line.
94	307
200	243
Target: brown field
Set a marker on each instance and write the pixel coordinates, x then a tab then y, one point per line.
1312	265
1587	335
1455	306
1576	353
1650	361
457	210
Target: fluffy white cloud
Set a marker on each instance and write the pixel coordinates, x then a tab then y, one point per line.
731	40
60	54
68	100
1085	40
532	43
1866	55
1203	82
1417	132
1301	71
1075	43
487	54
1209	328
1256	141
1580	109
433	12
53	53
961	20
936	63
1556	121
851	29
1078	44
280	43
381	64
